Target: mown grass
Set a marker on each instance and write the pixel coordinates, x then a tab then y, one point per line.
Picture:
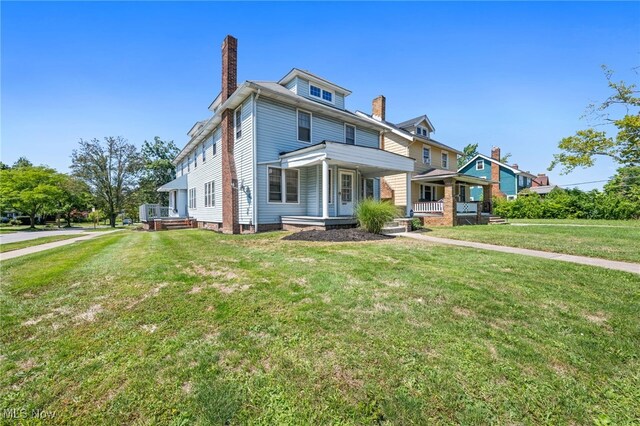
192	327
606	242
35	242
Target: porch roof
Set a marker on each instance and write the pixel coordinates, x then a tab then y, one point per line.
371	162
435	174
177	183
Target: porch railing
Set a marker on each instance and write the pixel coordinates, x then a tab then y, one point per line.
152	211
429	207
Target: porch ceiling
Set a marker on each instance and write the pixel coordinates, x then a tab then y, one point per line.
371	162
178	183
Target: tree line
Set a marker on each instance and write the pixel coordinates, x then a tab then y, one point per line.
109	175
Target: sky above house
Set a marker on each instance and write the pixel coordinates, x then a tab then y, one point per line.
514	75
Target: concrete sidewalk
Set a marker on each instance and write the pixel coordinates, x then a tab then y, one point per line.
42	247
592	261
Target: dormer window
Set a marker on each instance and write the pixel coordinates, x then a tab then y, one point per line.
421	131
319	93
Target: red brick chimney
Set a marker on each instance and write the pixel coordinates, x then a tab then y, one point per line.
230	222
378	110
495	173
541	180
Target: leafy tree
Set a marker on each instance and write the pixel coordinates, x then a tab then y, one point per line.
75	196
3	166
157	170
22	162
626	183
469	152
31	190
505	158
582	149
110	168
95	217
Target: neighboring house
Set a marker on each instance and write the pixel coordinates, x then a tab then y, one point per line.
541	190
436	191
508	180
275	155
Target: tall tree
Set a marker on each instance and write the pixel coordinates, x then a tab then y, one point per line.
157	170
110	168
582	149
75	196
469	152
30	190
22	162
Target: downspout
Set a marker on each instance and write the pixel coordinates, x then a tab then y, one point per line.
255	160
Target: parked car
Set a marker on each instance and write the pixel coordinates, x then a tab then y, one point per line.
127	222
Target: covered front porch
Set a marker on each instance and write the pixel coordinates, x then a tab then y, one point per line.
333	178
175	215
442	197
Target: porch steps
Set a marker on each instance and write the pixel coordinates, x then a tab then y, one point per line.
172	224
392	228
497	220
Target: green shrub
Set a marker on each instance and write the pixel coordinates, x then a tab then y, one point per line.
372	214
416	223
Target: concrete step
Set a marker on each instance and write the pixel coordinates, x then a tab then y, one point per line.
391	224
392	229
497	220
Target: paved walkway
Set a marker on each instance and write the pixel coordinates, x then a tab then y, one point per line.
14	237
603	263
35	249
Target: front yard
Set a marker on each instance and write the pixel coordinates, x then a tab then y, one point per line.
614	240
191	326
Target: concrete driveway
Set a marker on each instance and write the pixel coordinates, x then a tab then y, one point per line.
14	237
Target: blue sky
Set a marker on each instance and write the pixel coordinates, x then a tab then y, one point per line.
515	75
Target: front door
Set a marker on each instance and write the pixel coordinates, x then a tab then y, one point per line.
345	196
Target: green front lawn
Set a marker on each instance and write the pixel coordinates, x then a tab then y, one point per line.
190	326
617	242
36	242
590	222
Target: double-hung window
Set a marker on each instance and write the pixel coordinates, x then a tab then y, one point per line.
209	201
304	126
204	152
479	164
188	163
215	148
426	155
426	193
445	160
367	188
283	185
349	134
238	123
195	158
192	198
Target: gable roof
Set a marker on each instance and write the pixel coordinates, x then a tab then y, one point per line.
493	160
296	72
415	121
408	136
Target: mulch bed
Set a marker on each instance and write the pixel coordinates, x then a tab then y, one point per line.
336	235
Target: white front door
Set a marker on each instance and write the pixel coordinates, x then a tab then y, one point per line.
345	195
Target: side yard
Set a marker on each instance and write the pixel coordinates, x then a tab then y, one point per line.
34	242
615	240
190	326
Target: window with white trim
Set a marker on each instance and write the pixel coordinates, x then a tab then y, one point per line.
192	198
445	160
422	131
479	164
319	93
304	126
238	123
215	148
204	152
209	200
349	134
189	163
426	155
195	158
427	193
284	185
367	189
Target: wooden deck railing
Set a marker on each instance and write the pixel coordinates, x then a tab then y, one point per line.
428	207
152	211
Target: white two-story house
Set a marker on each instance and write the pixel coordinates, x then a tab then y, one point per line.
276	155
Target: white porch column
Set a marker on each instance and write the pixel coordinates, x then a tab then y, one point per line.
325	189
409	204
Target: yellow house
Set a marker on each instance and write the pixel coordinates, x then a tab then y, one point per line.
434	191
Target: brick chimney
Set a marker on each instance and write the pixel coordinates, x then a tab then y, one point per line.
495	173
230	222
541	180
378	109
515	166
